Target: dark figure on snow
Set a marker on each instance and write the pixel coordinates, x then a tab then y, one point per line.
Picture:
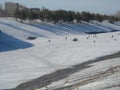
49	40
112	36
65	38
87	38
95	35
115	39
94	41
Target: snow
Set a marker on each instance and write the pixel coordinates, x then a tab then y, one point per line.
22	60
106	24
117	23
22	31
8	43
108	82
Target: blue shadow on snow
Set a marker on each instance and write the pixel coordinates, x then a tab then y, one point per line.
8	43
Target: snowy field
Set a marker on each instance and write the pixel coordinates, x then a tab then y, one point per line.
22	60
104	75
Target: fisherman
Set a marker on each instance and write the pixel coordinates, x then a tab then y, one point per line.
65	38
112	36
115	39
49	40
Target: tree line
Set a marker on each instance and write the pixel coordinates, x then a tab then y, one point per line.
62	16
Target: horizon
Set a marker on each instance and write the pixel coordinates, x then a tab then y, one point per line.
109	7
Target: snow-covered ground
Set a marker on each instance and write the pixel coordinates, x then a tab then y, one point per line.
22	60
104	75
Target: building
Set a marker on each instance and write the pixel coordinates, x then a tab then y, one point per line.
117	14
10	8
1	10
0	6
36	10
21	7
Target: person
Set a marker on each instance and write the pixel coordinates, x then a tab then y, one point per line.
66	38
115	39
49	40
112	36
0	31
87	38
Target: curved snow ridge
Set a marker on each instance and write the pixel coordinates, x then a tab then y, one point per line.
40	30
103	28
24	28
49	28
109	25
117	23
21	30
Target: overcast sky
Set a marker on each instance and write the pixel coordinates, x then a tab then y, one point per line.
96	6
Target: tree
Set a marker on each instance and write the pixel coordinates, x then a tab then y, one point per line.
62	15
78	17
30	16
16	14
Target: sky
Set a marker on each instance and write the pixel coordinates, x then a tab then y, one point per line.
94	6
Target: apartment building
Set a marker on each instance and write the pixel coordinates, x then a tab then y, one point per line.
1	10
10	8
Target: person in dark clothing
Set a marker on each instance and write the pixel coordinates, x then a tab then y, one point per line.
65	38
